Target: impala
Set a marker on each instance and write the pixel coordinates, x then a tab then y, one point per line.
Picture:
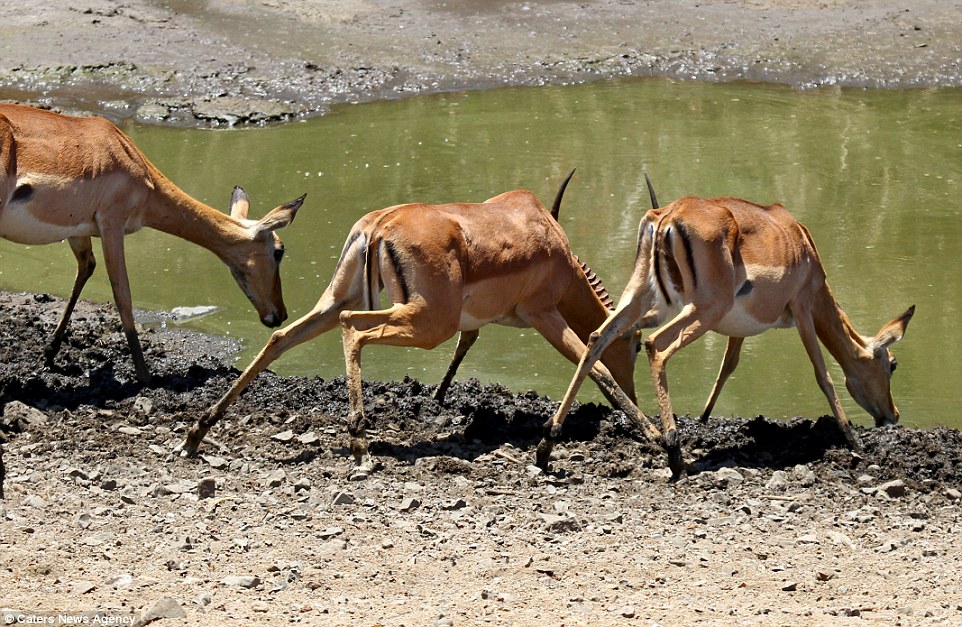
76	178
739	269
449	268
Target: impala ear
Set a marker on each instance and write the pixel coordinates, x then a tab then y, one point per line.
893	331
240	204
279	217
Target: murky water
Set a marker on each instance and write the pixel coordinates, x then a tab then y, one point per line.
875	175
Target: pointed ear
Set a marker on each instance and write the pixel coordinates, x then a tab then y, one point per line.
893	331
279	217
240	204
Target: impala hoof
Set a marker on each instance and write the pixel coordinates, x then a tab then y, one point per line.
543	454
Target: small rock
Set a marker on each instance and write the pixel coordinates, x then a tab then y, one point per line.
894	489
202	600
454	504
778	482
84	587
206	488
302	484
217	463
952	494
728	476
163	608
108	485
789	586
343	498
242	581
409	504
308	438
276	478
627	612
283	436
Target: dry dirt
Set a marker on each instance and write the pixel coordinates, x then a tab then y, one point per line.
777	524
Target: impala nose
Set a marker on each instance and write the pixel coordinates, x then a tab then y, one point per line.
273	319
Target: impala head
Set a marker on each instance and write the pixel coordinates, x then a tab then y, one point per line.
257	260
870	385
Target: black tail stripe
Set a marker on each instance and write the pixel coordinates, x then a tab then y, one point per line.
686	243
398	269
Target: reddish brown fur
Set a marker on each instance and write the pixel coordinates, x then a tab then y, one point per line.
738	268
76	178
446	268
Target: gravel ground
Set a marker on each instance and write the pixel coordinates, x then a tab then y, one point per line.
778	523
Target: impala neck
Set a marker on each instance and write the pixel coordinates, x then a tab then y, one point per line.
835	330
172	211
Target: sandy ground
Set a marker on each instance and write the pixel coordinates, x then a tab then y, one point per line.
777	525
247	61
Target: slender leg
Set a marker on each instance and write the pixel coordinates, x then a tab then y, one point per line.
553	327
403	324
685	328
320	320
806	330
466	340
729	363
83	251
113	247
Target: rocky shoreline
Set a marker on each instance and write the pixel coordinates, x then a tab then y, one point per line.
249	62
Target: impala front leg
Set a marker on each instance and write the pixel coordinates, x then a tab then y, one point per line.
319	320
113	246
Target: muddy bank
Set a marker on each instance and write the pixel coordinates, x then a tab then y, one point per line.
778	524
247	61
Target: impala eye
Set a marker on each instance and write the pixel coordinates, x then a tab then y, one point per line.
894	364
278	254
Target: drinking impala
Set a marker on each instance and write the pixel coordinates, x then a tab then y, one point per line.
66	178
739	269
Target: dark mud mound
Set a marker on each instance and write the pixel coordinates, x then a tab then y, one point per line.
93	389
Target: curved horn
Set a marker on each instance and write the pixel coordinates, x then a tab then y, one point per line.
651	192
556	205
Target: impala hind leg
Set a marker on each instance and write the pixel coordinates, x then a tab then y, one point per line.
685	328
400	325
86	263
729	363
320	320
466	340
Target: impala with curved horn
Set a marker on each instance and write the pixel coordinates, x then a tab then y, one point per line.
449	268
739	269
66	178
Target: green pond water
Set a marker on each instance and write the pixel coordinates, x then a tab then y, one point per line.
875	175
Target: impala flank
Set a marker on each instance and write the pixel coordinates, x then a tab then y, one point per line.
739	269
65	178
449	268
